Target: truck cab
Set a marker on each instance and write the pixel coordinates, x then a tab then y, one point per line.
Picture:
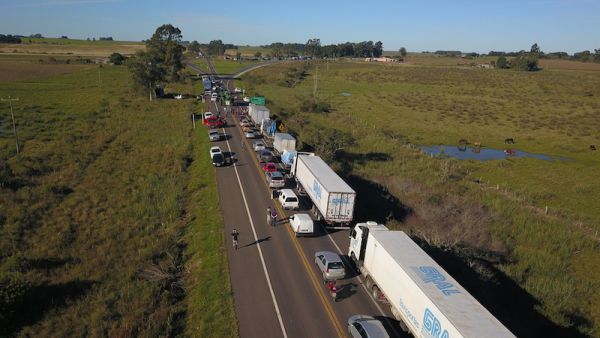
358	239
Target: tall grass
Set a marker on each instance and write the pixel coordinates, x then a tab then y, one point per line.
98	205
456	203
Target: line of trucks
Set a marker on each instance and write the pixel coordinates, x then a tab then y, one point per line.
421	294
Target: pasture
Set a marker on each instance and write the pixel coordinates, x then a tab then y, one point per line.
98	212
53	46
496	209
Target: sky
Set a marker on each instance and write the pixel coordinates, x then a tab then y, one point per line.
425	25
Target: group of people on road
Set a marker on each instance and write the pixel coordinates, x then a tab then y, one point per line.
271	220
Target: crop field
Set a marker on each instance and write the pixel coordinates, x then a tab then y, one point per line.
72	47
109	221
16	70
521	234
230	66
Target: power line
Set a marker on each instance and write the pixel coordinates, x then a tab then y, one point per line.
10	100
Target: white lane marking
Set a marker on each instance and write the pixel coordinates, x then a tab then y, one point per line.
262	259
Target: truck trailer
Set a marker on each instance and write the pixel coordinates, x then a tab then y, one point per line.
332	198
258	113
283	142
428	301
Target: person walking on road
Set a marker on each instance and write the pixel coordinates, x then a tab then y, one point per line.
269	219
243	145
234	237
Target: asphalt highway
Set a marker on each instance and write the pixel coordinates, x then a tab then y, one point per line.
278	290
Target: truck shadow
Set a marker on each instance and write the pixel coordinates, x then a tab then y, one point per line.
503	297
377	203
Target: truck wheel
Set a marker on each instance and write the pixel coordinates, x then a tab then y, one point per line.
369	283
375	292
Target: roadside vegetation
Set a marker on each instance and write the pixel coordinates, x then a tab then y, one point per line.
109	219
486	222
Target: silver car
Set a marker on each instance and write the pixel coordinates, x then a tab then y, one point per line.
214	135
330	264
363	326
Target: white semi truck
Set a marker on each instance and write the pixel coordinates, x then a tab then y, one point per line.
332	198
421	294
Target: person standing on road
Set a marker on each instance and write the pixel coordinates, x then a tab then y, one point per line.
269	220
273	217
243	145
234	237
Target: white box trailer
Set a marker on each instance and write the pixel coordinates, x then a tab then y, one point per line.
423	295
258	113
332	198
283	142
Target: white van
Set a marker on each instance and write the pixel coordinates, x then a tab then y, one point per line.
302	224
288	199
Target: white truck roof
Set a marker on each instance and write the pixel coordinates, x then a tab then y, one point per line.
465	313
325	175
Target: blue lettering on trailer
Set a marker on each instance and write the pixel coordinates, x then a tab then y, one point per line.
409	314
430	274
432	326
316	189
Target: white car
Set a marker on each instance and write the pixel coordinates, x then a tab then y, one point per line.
288	199
178	97
208	114
214	150
246	99
250	134
237	90
213	97
259	145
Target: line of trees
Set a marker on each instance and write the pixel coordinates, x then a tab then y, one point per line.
313	48
9	39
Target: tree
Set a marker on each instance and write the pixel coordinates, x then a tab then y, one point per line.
402	51
216	47
117	59
378	49
502	63
162	59
597	55
327	141
238	55
583	56
313	47
194	47
165	51
257	55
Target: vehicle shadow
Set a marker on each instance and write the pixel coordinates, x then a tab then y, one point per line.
393	327
502	296
346	290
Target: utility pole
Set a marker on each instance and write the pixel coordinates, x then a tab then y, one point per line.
10	100
316	81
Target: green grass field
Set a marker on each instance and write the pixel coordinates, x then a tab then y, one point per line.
109	220
495	206
248	51
230	66
58	47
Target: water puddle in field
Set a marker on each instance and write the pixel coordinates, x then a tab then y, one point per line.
480	154
345	94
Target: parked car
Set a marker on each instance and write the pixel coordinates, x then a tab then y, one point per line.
330	264
245	123
302	224
361	326
270	167
288	199
258	146
178	97
246	99
214	150
275	179
214	135
214	97
218	160
237	90
250	134
264	156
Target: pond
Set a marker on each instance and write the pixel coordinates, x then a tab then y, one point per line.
480	154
